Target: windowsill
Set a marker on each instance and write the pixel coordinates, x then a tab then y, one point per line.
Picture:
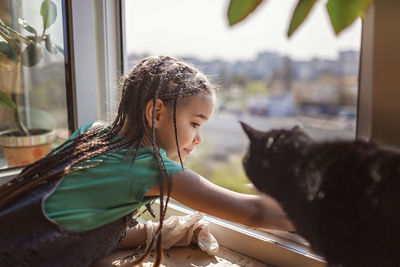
262	246
182	256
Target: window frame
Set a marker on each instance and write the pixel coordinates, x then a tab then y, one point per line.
378	79
98	54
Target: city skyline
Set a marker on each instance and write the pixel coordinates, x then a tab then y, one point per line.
186	28
268	63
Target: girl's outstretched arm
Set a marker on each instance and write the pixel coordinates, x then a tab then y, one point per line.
196	192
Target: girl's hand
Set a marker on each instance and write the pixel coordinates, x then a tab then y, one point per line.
272	215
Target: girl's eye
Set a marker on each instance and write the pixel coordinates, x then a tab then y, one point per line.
195	124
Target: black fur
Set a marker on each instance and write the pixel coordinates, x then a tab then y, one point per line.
343	197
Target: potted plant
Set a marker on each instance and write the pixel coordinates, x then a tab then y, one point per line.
22	146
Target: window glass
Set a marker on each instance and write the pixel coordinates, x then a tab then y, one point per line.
266	79
33	99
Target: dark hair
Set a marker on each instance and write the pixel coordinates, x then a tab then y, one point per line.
162	77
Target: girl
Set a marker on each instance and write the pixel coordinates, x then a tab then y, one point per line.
72	207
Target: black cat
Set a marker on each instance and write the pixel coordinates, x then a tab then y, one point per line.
342	196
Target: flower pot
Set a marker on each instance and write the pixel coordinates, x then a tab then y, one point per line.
22	150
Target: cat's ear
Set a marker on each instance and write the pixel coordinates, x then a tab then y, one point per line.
250	131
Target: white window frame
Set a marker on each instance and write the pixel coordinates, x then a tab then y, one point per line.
97	57
379	91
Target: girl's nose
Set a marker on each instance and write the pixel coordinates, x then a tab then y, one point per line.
197	139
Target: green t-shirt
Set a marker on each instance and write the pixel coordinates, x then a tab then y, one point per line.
91	198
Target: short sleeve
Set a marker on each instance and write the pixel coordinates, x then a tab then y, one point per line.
81	130
75	134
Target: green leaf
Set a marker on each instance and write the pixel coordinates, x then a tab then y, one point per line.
344	12
7	50
26	26
31	55
4	31
13	34
31	37
302	10
49	45
240	9
48	10
6	101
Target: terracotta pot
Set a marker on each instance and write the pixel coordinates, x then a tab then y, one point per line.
23	150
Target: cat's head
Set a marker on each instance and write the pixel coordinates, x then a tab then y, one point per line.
271	155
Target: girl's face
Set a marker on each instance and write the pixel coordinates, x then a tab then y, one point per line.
191	114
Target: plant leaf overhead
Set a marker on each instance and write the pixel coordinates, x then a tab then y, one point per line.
240	9
48	10
343	13
300	13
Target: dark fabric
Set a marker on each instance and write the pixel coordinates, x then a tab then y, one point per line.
29	238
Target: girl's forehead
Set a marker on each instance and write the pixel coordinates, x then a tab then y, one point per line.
201	102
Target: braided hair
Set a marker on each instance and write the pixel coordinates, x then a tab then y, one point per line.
161	77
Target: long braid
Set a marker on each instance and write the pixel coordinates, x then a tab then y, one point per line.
156	148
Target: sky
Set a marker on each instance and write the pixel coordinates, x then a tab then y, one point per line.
200	28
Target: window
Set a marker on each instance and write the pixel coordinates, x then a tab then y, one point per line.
266	79
33	83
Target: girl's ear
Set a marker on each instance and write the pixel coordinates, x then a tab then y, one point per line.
159	112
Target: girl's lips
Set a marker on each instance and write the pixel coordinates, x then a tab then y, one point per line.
187	150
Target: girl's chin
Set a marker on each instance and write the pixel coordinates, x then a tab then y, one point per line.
176	158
